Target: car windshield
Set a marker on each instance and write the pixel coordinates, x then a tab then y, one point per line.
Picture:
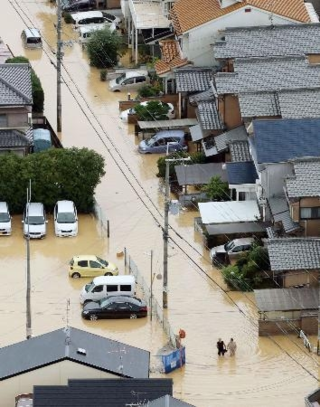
66	217
88	287
104	262
150	142
120	78
4	217
229	246
34	220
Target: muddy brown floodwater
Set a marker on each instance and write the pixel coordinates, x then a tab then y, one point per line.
265	371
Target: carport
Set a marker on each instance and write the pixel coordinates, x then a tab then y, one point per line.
147	126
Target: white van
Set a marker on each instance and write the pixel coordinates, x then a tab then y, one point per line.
92	17
31	38
5	219
86	31
129	80
34	220
106	286
65	219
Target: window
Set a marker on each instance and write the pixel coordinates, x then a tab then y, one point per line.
95	264
83	263
247	10
140	79
237	249
98	289
128	81
3	120
112	288
310	213
125	287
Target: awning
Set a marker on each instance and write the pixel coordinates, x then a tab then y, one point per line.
167	124
231	211
236	227
196	133
199	174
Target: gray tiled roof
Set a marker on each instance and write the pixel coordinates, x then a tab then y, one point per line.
15	138
193	79
306	182
15	84
241	173
294	254
280	140
239	150
199	174
268	74
259	104
272	40
208	115
280	212
202	96
221	141
168	401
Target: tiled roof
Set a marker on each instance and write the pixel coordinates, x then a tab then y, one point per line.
239	150
294	254
15	138
193	79
188	14
241	173
280	212
170	57
268	74
269	40
208	115
167	401
15	84
202	96
306	182
281	140
221	141
258	104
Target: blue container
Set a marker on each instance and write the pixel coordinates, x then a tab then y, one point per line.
174	360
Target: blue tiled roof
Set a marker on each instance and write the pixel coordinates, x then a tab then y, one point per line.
281	140
241	173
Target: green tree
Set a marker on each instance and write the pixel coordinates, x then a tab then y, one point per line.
104	47
147	91
56	174
154	110
216	189
37	91
195	158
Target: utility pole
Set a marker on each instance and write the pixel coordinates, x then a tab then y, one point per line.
59	62
166	230
28	293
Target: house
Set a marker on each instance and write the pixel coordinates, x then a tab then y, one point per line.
197	22
287	310
102	392
242	177
295	261
55	357
15	108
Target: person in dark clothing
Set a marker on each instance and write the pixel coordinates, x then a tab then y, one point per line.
221	347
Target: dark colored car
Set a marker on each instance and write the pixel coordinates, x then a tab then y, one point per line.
78	5
115	307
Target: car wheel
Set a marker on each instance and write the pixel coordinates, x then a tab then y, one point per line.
75	275
108	274
133	316
93	317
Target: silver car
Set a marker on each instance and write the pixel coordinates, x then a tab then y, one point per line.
165	141
231	250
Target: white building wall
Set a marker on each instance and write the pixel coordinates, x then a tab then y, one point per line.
57	374
197	43
272	178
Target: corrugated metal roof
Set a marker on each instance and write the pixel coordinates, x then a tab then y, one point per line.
199	174
234	228
227	212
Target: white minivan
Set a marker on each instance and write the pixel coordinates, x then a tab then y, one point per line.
34	220
106	286
65	219
5	219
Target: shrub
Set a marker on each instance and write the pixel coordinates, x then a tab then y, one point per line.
216	189
147	91
155	110
67	18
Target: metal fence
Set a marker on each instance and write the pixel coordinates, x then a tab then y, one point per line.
101	218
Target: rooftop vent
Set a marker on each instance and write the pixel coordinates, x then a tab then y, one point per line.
81	351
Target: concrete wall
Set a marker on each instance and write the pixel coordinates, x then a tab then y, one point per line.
57	374
197	43
272	178
293	278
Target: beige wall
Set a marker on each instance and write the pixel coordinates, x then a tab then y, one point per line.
17	117
230	111
314	59
312	226
290	278
57	374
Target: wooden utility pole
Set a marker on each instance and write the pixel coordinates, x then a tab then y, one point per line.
59	62
28	277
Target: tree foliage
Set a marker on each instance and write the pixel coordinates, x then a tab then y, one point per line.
195	158
216	189
104	47
37	91
56	174
147	91
154	110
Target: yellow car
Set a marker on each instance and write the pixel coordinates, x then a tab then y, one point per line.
91	266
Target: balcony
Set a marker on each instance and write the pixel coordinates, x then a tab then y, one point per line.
147	14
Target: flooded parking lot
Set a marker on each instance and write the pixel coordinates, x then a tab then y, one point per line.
264	371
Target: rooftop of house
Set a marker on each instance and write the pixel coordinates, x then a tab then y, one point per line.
202	96
221	141
241	173
188	14
208	115
239	150
294	253
16	138
268	40
102	392
193	79
170	57
306	179
268	74
199	174
281	140
280	212
15	84
63	344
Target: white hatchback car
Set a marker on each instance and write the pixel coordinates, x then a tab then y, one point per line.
129	80
34	221
65	219
125	113
5	219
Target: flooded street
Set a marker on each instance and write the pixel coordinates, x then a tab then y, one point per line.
265	371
